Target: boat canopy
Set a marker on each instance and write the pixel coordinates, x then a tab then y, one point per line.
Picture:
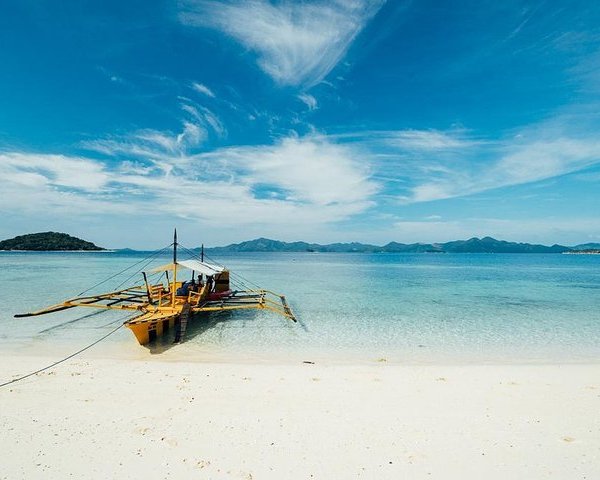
196	265
201	267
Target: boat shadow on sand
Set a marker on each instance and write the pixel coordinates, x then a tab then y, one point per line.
204	322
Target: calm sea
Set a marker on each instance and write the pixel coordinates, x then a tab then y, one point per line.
401	308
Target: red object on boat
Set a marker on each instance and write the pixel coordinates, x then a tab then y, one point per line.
218	295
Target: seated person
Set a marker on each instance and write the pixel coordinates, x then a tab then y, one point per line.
184	289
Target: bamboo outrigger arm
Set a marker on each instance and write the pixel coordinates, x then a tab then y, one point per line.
136	298
133	298
250	299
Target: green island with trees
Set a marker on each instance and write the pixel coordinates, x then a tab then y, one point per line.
48	241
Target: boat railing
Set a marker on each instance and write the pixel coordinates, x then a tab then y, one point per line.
161	296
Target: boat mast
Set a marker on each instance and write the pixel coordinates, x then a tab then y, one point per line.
147	288
174	268
202	253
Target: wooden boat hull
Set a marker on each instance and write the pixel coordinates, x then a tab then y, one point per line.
148	330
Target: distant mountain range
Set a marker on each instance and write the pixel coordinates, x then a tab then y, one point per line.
473	245
53	241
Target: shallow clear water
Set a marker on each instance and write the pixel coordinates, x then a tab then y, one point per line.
401	307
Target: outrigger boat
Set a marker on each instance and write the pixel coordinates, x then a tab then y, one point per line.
163	306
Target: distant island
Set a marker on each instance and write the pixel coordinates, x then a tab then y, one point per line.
586	247
586	251
48	241
473	245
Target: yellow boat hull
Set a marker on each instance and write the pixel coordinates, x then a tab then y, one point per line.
148	329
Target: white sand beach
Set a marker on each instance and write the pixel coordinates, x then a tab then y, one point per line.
100	418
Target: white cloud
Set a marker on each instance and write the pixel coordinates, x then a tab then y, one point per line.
203	89
516	164
427	165
45	189
435	191
36	170
309	169
545	159
297	43
308	100
317	183
191	135
297	184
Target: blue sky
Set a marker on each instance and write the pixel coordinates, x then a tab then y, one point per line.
328	121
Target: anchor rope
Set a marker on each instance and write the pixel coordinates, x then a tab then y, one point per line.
14	380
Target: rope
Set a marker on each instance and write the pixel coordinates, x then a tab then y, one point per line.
193	254
14	380
241	278
243	282
154	254
135	273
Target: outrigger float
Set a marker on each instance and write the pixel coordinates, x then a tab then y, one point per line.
165	306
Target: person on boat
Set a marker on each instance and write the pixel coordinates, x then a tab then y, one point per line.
186	287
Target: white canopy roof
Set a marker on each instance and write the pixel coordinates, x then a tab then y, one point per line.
196	265
201	267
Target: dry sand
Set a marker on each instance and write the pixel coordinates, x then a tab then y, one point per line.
154	419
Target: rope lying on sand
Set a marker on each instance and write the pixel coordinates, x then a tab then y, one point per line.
14	380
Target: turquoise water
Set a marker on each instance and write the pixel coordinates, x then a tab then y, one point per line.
401	307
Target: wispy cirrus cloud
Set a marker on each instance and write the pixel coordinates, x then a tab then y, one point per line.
512	163
429	140
203	89
205	117
414	139
165	149
426	165
297	43
308	100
